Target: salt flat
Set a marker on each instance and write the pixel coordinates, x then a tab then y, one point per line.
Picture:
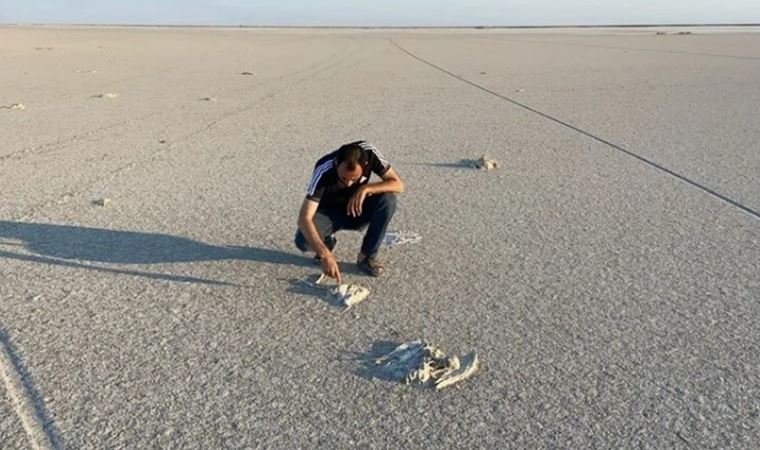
607	273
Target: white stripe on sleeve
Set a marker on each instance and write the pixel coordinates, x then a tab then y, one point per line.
367	146
318	172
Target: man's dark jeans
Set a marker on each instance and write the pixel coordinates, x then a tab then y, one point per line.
377	212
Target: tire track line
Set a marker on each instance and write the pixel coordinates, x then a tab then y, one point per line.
332	62
26	402
713	193
65	142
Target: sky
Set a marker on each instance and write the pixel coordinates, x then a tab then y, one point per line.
380	12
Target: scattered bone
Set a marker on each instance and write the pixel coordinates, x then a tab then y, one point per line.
349	294
13	106
485	163
85	71
424	364
106	95
519	90
345	294
102	202
394	238
246	73
468	365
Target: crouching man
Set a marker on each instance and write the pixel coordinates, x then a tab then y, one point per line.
340	197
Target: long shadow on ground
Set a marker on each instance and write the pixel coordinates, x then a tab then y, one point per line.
368	368
461	164
75	246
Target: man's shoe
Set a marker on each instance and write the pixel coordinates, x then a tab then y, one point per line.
371	266
330	241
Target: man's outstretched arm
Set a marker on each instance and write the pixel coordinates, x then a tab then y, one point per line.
309	231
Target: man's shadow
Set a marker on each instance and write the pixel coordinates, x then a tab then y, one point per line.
366	363
74	246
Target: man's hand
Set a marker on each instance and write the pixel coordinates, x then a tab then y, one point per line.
356	201
330	266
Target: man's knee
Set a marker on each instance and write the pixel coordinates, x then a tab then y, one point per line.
300	242
387	202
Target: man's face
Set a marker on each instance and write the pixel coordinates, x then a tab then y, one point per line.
348	177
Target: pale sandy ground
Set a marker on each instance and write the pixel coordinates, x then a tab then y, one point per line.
613	304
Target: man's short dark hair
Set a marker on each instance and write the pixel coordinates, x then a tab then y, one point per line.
351	154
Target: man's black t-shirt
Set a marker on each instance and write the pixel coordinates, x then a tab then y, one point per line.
325	186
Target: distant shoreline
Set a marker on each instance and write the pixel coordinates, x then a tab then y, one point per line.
389	27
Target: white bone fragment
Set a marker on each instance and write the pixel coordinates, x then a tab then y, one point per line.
350	294
486	163
469	366
419	362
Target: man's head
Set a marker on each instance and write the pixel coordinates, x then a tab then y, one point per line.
348	159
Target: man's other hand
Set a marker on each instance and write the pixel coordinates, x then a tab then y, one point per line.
356	201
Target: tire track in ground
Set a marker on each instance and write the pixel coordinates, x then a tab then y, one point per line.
148	74
713	193
25	399
64	142
330	61
342	57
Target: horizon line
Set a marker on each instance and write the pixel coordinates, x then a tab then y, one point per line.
642	25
